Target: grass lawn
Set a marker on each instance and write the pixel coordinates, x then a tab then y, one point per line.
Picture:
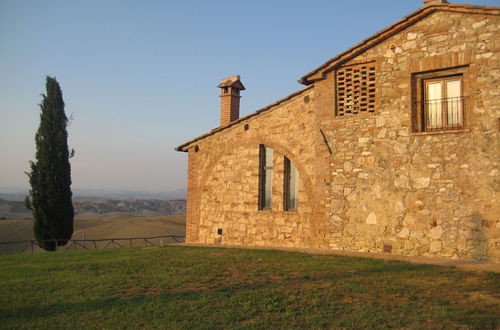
193	287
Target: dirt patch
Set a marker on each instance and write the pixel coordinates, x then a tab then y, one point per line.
487	297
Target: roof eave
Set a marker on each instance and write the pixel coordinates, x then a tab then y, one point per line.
180	148
184	147
383	35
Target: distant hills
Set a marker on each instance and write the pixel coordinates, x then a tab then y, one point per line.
13	209
92	208
85	208
18	194
91	203
124	194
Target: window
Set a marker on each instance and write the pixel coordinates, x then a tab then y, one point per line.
265	177
438	100
443	106
291	186
356	89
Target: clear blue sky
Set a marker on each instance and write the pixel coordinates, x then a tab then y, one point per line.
140	77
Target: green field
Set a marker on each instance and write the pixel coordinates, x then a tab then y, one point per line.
194	287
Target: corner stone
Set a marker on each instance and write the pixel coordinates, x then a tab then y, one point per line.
371	219
404	233
435	247
436	233
421	183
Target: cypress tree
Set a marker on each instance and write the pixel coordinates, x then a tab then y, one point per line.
50	174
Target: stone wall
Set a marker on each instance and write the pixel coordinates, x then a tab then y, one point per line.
227	170
383	187
419	193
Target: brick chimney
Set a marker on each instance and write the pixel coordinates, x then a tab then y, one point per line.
434	2
230	99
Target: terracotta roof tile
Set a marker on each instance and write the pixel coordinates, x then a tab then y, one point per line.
380	36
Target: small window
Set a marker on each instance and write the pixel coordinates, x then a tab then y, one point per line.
291	186
443	104
438	100
265	177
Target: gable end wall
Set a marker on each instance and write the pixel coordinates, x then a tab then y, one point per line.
382	187
419	194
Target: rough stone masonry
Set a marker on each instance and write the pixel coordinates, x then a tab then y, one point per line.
375	174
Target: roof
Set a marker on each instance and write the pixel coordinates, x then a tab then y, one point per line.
183	147
318	73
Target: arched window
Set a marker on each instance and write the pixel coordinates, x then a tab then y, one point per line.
265	177
291	186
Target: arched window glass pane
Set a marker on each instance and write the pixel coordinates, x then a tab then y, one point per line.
291	186
266	177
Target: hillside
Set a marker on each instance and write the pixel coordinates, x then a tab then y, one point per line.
130	206
92	208
13	209
108	226
213	288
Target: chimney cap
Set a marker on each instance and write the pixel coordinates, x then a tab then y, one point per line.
434	2
233	81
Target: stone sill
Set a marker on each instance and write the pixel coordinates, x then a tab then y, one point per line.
451	131
276	211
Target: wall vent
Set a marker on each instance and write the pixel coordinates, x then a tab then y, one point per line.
356	89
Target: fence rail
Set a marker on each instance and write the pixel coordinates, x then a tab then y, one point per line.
32	246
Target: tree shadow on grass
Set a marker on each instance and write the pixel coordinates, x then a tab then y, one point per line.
479	249
68	309
270	301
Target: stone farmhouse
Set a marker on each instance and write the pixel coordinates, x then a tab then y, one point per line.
391	147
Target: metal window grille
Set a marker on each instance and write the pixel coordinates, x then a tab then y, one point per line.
443	114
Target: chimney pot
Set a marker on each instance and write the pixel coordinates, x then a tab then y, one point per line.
434	2
230	99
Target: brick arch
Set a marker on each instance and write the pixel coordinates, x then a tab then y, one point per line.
313	217
304	175
287	152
